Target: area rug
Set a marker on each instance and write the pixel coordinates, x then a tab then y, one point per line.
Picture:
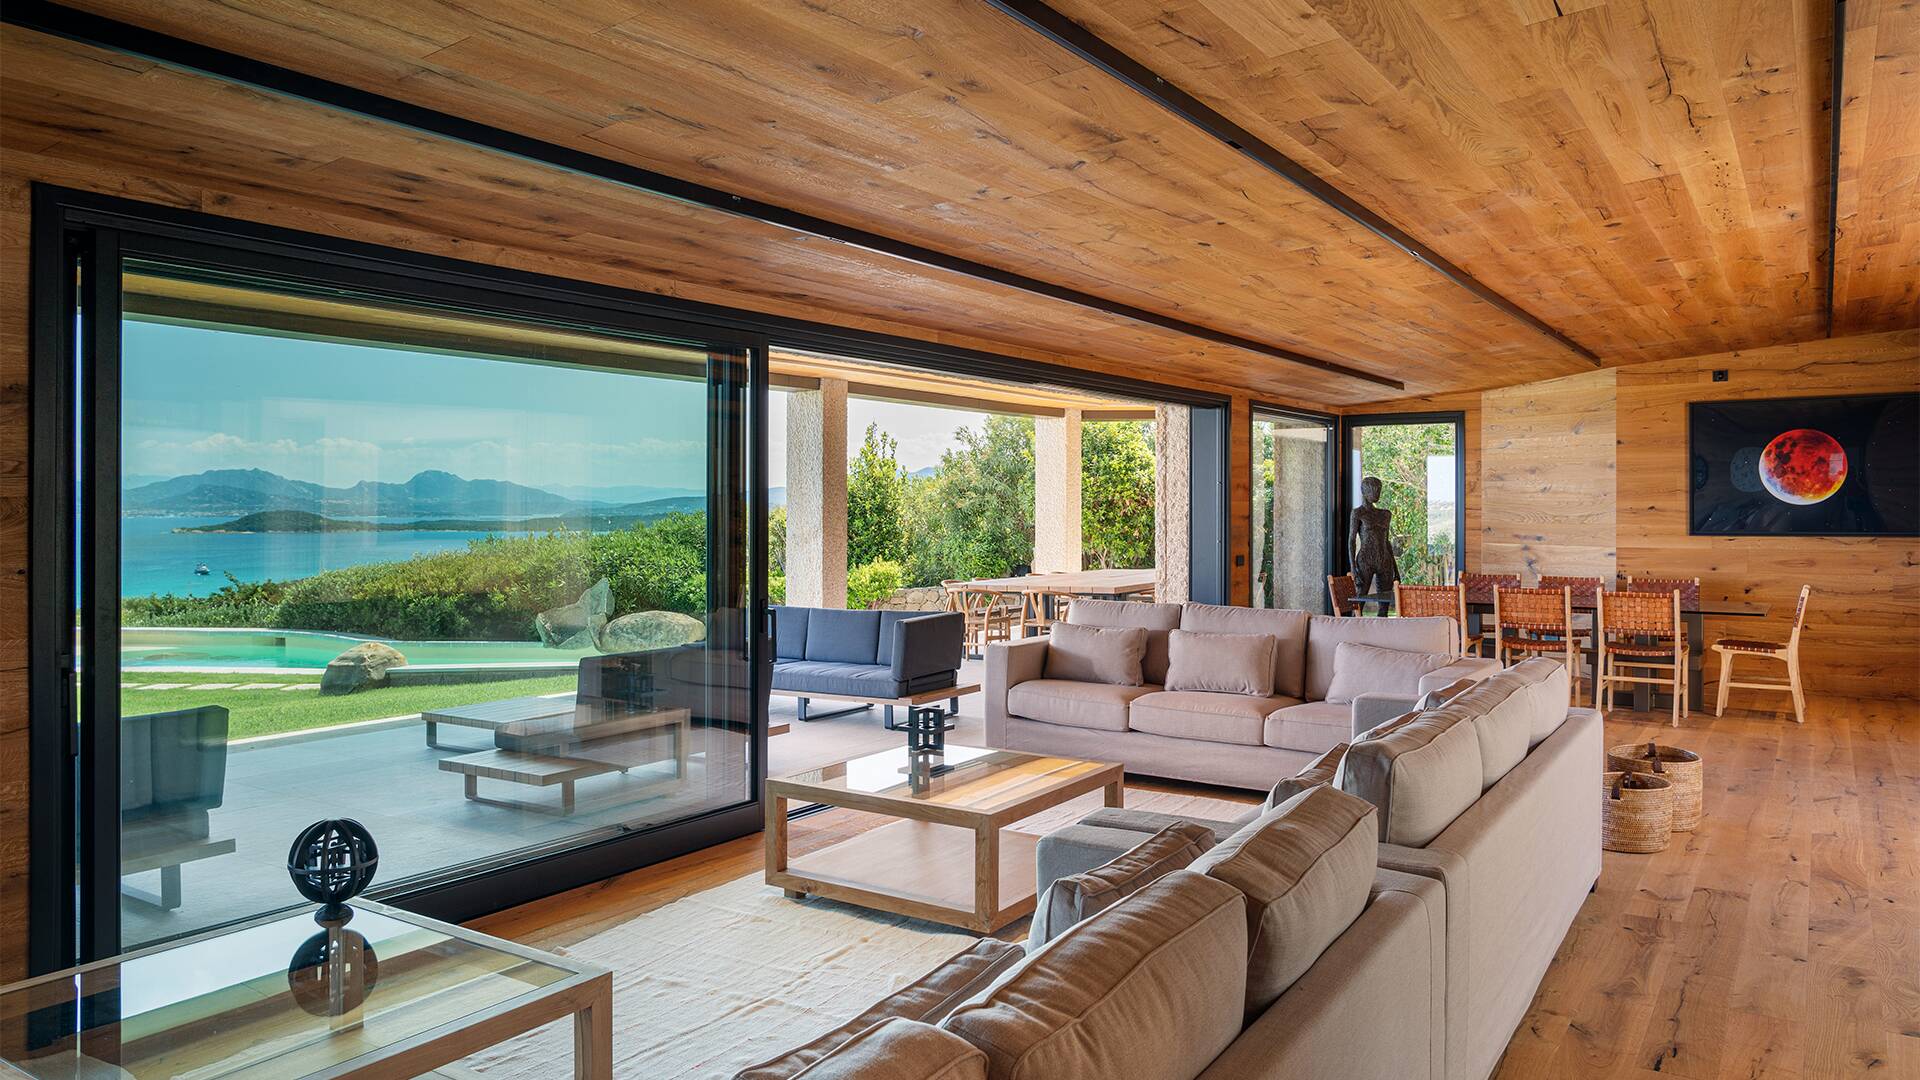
723	979
726	978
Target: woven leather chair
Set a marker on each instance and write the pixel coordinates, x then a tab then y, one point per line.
1478	589
1534	622
1641	631
1787	652
1340	589
1688	588
1448	601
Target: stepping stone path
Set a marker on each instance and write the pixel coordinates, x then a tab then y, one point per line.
219	686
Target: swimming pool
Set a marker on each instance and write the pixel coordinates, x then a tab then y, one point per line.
170	647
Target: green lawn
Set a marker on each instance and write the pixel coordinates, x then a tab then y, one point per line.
268	712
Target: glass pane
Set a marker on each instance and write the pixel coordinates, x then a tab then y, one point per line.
1290	506
453	577
285	997
963	777
1415	466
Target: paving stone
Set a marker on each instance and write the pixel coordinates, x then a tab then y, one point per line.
162	686
213	686
301	686
258	686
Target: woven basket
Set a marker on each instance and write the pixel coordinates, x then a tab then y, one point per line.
1636	812
1682	768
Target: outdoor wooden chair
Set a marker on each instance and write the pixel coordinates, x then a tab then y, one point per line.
1445	601
1340	589
1689	588
989	618
1478	589
1533	622
1641	631
1787	652
1034	610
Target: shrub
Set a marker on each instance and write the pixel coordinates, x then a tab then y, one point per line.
872	582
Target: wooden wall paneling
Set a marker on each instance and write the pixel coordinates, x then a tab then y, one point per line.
15	215
1863	626
942	122
1547	477
1877	250
1648	177
1239	499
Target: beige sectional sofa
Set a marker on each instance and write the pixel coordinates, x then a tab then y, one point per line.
1493	795
1235	740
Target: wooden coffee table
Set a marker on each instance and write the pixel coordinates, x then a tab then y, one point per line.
949	857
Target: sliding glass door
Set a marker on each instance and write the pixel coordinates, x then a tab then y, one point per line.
1292	509
469	568
1416	459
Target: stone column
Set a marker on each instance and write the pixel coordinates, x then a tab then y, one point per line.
817	496
1056	493
1172	502
1299	518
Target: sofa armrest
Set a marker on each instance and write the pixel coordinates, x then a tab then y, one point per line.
1370	710
1008	665
928	644
1467	668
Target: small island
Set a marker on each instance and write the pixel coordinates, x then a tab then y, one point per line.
302	521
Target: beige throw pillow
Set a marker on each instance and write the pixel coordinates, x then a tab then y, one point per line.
1221	663
927	1000
1319	771
901	1050
1306	868
1152	988
1096	654
1077	897
1364	669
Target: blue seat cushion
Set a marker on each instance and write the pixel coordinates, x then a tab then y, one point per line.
790	632
827	678
843	637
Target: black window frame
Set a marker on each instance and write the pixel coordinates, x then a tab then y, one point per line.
1343	559
69	224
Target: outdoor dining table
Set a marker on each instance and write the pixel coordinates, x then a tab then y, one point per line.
1088	584
1693	614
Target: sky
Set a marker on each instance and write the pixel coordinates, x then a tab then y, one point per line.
331	413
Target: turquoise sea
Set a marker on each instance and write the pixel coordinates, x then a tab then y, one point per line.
155	559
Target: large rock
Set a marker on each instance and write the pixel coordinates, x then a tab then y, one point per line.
365	664
645	630
577	625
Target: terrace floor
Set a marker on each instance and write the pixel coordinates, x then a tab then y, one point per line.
386	777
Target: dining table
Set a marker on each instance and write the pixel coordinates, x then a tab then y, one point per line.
1694	613
1109	584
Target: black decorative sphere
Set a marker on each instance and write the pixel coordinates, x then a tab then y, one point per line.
331	862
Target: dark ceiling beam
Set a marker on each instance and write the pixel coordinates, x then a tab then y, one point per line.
1097	51
117	36
1836	105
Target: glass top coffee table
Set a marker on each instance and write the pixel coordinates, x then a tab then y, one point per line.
949	858
390	994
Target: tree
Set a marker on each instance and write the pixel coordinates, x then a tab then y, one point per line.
974	517
1116	494
876	498
1397	454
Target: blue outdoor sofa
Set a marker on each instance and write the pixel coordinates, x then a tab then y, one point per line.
874	657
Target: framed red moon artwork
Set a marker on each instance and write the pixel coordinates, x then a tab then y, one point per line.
1813	466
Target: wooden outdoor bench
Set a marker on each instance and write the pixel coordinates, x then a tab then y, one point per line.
553	750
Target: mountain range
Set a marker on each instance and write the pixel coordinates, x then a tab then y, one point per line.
432	494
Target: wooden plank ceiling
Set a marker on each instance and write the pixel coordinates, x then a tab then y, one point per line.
1647	176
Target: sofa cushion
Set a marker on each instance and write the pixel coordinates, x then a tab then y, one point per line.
1305	867
1326	632
790	632
1101	999
1193	714
859	680
1508	708
1073	899
1220	663
1156	619
1360	669
1317	773
927	1000
1311	727
900	1050
1288	629
1101	706
1096	654
1421	775
843	637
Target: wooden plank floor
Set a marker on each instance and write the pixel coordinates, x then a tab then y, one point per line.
1781	939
